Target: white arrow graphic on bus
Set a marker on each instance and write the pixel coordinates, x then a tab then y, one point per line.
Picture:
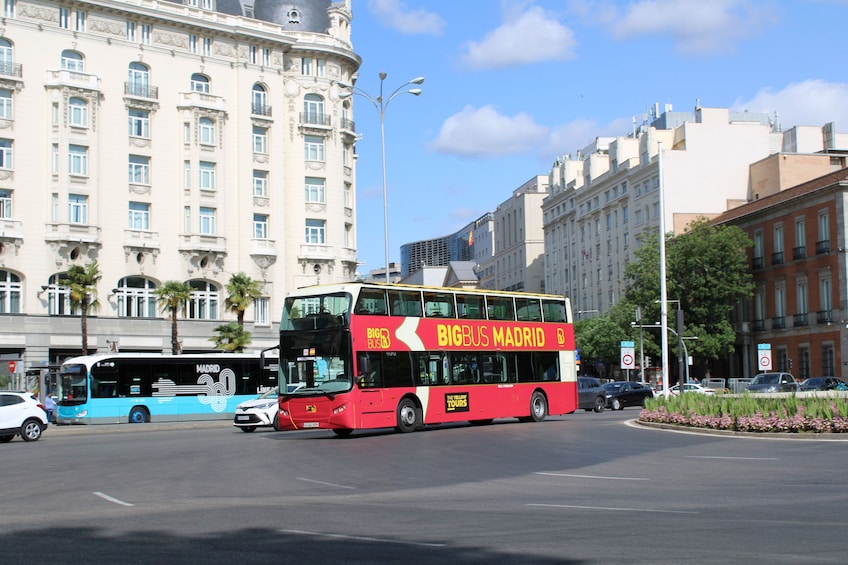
209	391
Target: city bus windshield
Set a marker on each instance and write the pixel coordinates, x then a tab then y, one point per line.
72	384
316	363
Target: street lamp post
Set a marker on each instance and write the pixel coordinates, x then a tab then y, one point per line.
380	104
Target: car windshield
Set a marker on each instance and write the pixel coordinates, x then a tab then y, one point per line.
269	393
767	379
614	387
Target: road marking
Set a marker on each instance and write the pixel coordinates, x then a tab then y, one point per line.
616	509
323	483
112	499
742	458
594	477
362	538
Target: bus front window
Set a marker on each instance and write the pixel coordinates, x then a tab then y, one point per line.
72	385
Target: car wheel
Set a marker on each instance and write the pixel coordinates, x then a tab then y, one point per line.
616	404
6	439
600	404
31	430
408	416
342	432
538	407
248	429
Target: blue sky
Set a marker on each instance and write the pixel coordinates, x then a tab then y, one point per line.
512	84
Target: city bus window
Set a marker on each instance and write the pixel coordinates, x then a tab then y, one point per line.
371	301
397	369
500	308
528	310
470	306
553	311
405	302
438	304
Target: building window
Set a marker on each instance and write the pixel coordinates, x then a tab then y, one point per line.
314	190
5	154
207	131
8	8
259	105
58	296
79	21
207	46
139	216
207	220
64	18
260	183
78	160
77	209
72	61
266	56
10	293
251	54
315	231
136	297
207	175
130	31
260	226
192	43
313	148
348	199
187	218
199	83
5	104
306	66
139	123
145	34
313	109
348	231
260	139
138	79
139	169
203	304
5	203
319	67
187	174
77	112
261	312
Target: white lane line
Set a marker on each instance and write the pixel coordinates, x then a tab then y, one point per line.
732	458
361	538
323	483
594	477
605	508
112	499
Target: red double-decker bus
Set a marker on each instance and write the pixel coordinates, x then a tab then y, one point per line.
364	356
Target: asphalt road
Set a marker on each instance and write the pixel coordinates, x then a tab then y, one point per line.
582	488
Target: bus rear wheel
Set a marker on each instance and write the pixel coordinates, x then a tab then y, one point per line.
408	416
538	407
139	415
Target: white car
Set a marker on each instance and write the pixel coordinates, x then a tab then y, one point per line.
259	412
21	414
690	387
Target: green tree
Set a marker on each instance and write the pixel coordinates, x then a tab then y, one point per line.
242	291
172	297
82	290
599	340
231	337
706	272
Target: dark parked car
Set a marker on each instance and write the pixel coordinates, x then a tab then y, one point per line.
590	394
624	393
824	383
773	382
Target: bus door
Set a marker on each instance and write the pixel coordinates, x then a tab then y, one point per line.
370	383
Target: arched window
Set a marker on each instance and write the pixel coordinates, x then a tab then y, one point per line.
136	297
203	304
200	83
10	293
138	80
313	109
72	61
207	131
78	112
260	100
6	57
58	296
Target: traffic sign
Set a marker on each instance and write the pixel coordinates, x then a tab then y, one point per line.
12	366
628	356
764	356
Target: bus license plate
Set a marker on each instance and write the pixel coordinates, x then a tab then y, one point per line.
310	424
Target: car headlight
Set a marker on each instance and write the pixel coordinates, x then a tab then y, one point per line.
266	405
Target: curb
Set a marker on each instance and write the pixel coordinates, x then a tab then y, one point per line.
803	436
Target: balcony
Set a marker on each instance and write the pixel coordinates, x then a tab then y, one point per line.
778	322
260	110
777	258
263	252
202	243
799	253
317	122
141	90
316	253
800	320
141	239
202	100
824	317
11	73
72	233
348	125
823	247
203	252
11	233
758	325
72	79
757	264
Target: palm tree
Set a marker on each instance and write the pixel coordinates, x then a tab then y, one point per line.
241	292
82	290
231	338
173	296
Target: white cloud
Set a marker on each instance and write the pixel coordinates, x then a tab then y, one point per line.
697	27
807	103
527	36
396	15
484	132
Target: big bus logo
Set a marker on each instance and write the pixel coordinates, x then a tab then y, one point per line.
561	337
378	338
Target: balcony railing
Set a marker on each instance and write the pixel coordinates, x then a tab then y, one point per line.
824	317
141	90
758	325
757	263
778	322
260	110
822	247
799	253
315	119
348	124
8	68
800	320
777	258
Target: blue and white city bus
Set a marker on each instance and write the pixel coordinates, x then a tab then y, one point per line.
109	388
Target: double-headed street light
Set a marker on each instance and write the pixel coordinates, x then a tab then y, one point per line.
380	104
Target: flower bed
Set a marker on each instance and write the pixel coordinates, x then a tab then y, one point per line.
748	413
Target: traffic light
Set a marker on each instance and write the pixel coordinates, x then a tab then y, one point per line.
647	361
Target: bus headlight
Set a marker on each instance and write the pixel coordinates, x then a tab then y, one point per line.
339	409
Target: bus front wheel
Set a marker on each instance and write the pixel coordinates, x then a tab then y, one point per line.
408	416
538	407
139	415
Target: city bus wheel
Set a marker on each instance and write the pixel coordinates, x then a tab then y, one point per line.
342	432
139	415
408	416
538	407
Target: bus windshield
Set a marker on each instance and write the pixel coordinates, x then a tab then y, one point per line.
72	384
316	312
316	364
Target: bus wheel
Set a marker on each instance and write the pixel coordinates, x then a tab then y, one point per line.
538	407
342	432
139	415
408	416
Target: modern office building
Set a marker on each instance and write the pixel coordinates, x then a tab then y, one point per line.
462	245
170	141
